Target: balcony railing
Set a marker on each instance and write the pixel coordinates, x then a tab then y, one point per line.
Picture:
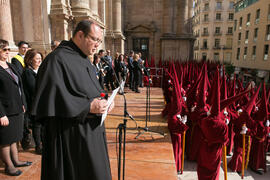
219	20
227	47
206	20
205	9
219	8
217	47
229	33
204	48
205	34
218	34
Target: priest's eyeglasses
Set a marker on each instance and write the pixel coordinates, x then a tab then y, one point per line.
96	40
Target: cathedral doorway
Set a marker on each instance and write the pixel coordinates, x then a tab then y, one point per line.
141	45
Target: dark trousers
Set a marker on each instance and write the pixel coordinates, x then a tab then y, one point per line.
109	81
37	133
26	140
101	81
131	79
140	80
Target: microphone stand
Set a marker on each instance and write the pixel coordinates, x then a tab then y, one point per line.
147	117
122	127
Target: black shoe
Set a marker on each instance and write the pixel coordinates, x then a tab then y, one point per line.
27	163
25	143
16	173
38	150
137	91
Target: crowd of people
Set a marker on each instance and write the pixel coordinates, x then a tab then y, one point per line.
216	116
129	68
39	97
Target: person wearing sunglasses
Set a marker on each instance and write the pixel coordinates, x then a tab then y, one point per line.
12	103
18	62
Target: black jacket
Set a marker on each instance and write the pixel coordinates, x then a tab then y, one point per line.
29	82
17	65
11	102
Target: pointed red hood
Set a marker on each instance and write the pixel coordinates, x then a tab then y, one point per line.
223	86
262	114
251	103
202	88
226	102
146	63
215	100
176	107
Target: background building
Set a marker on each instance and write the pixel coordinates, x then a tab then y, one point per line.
213	28
159	28
252	37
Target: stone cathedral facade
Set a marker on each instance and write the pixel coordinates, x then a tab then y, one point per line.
159	28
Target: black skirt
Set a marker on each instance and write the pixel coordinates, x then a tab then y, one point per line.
13	132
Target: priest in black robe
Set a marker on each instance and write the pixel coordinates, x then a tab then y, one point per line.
68	104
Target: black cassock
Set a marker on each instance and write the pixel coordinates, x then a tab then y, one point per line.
74	146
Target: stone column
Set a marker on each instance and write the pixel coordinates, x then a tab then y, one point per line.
80	10
181	16
168	13
6	31
101	10
117	17
61	20
117	26
94	7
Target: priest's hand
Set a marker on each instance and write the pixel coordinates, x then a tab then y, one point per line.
98	106
4	121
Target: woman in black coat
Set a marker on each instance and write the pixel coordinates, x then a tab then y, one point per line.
137	72
11	113
99	70
122	68
32	60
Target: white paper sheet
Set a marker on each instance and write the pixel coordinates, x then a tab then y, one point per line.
110	100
